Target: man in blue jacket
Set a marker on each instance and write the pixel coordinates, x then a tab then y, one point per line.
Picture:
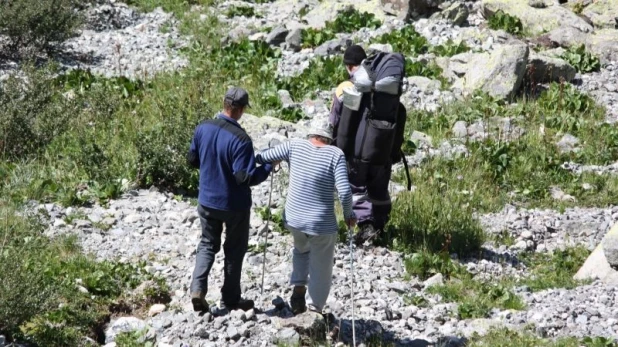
224	153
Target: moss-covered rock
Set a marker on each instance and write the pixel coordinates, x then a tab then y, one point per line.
603	13
536	20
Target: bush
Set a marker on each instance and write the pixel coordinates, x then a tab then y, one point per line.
347	20
406	41
435	219
32	26
32	113
322	73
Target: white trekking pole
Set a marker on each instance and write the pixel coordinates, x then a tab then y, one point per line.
350	236
271	143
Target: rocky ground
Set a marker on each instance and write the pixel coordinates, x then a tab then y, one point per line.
155	227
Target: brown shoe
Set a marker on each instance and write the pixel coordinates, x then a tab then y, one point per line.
297	301
198	301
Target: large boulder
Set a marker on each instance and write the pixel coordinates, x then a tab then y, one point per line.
498	73
597	266
407	9
603	13
567	36
536	20
604	44
544	69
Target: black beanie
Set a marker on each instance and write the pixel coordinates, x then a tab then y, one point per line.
354	55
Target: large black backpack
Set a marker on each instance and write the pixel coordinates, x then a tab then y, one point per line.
381	78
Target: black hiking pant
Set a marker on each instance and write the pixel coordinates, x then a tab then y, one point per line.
235	247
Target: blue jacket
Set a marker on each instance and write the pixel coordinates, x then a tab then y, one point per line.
223	152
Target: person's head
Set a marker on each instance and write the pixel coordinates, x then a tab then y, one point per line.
353	57
321	130
235	102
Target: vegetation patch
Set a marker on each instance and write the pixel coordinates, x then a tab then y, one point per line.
449	48
500	168
527	338
347	20
504	21
406	41
582	60
241	11
555	270
322	73
54	295
476	299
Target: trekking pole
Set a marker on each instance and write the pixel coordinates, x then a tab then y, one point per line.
271	143
350	236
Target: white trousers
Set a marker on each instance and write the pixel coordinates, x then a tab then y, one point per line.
312	265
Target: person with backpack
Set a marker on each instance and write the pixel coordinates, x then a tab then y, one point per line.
223	152
317	169
369	122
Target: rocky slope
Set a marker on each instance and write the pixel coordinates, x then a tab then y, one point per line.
155	227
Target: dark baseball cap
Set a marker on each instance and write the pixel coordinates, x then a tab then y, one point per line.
237	97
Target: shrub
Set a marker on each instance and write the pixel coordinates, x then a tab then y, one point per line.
436	219
32	114
582	60
32	26
504	21
424	264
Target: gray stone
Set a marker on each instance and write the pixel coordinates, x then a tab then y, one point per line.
434	280
610	248
460	129
156	309
201	332
277	36
407	9
294	39
420	138
498	73
232	333
308	323
536	20
547	69
380	47
602	13
123	325
426	85
250	315
457	12
287	336
333	46
567	36
238	315
568	143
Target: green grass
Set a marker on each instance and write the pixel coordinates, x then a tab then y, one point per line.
511	338
555	270
347	20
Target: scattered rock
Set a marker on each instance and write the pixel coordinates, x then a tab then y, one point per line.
277	36
434	280
568	143
426	85
457	13
294	39
156	309
123	325
287	336
610	247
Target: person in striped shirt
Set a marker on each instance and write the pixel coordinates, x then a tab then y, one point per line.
317	169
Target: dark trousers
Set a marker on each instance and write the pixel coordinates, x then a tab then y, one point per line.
372	201
235	247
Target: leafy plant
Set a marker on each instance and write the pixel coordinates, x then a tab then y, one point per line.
582	60
320	74
504	21
350	20
241	11
316	37
449	49
406	41
425	264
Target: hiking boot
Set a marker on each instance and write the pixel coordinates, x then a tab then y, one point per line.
367	233
297	301
198	301
242	304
